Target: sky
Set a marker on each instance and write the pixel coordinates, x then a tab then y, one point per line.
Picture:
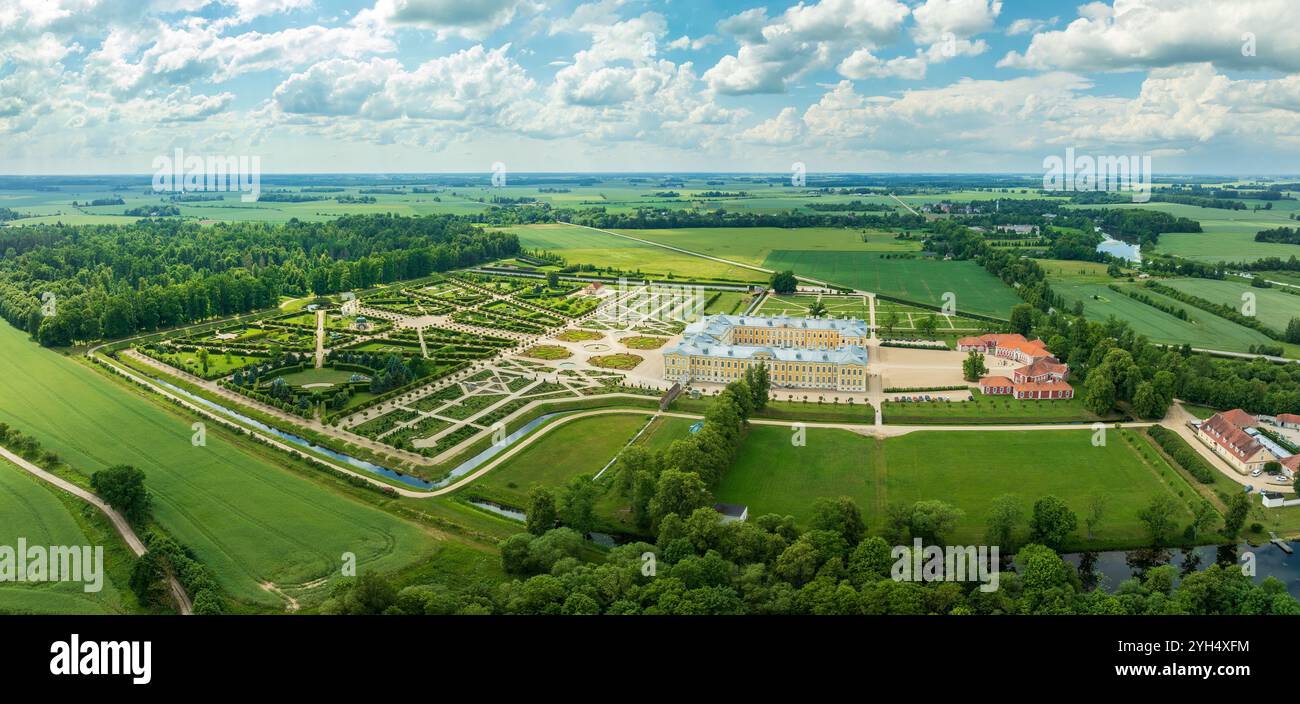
104	86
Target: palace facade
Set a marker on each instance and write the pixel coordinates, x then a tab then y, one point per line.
807	353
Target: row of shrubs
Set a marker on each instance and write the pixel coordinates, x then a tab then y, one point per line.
1182	453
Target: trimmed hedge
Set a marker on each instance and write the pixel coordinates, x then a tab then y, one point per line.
1182	453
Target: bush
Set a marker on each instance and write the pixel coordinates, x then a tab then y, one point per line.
1257	527
1182	453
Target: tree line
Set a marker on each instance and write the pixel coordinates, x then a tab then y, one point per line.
72	284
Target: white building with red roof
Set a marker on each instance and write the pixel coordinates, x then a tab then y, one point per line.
1225	434
1043	376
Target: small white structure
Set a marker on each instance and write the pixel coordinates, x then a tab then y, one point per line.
732	512
1276	499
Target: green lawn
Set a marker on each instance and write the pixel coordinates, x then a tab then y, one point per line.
772	475
836	306
965	469
989	410
727	303
324	375
923	280
32	511
970	469
582	446
664	430
248	519
810	411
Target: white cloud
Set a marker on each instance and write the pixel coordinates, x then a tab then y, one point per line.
803	38
863	64
1133	34
785	128
1029	25
449	18
937	19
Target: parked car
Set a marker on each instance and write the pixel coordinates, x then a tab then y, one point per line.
1257	472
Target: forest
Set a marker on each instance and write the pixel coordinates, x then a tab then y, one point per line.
74	284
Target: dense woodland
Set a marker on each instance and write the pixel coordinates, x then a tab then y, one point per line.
110	281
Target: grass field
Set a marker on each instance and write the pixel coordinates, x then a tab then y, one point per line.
664	430
772	475
965	469
727	303
580	245
752	245
582	446
32	511
923	280
324	375
1202	329
249	520
970	469
988	410
1228	235
793	410
1273	307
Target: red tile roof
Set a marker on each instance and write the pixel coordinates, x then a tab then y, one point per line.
1288	418
1043	366
995	381
1226	429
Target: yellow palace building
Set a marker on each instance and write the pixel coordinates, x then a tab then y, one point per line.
805	353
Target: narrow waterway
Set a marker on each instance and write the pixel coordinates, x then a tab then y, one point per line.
460	470
1113	567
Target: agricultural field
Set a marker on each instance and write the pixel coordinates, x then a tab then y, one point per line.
1227	235
247	518
32	511
580	245
919	279
1273	307
753	245
965	469
1202	330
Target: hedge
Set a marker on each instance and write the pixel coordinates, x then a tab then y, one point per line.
1182	453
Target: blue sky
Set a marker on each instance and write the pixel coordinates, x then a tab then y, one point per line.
98	86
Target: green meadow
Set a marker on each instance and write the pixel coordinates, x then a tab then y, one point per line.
752	245
966	469
34	512
1202	329
250	520
921	279
1273	306
581	245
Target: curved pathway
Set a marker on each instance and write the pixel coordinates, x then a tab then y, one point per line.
118	520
